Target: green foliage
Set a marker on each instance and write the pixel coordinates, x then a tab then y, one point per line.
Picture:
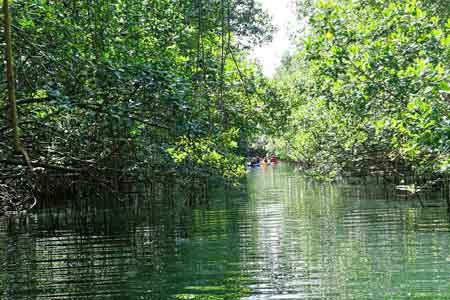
372	79
210	154
139	85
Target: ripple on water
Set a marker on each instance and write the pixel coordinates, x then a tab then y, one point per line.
288	238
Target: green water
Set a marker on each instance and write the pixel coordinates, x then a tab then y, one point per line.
283	238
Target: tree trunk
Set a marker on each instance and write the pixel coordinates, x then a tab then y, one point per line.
11	84
10	76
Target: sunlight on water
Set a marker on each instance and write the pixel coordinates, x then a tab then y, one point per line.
285	238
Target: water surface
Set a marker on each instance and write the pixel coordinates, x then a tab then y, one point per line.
284	237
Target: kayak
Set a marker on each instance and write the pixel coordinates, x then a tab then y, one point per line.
252	165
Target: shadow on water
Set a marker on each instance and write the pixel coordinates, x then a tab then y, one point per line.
284	237
127	249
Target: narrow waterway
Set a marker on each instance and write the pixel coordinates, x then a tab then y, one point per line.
284	237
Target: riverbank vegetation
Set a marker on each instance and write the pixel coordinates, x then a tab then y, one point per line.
112	92
102	91
369	89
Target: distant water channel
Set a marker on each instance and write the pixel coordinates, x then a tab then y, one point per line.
284	237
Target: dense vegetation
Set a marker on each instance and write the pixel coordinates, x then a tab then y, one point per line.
131	88
104	91
369	89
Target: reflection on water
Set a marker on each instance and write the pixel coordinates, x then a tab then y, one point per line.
285	238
